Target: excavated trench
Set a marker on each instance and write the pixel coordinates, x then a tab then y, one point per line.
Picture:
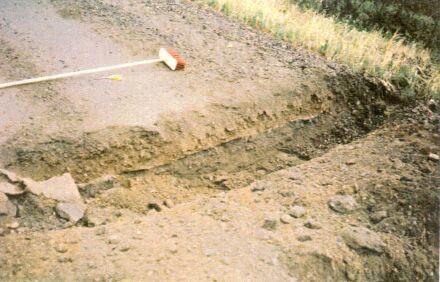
153	169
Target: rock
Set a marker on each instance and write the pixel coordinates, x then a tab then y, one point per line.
10	189
113	239
363	239
61	248
13	225
168	203
71	211
343	204
64	259
304	238
100	231
2	231
432	105
312	224
117	213
286	193
297	211
10	175
154	206
61	188
433	157
3	197
377	217
259	186
8	208
270	224
295	175
124	248
285	218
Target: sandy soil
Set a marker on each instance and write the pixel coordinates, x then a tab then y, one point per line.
207	162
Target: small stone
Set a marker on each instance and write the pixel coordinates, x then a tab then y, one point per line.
61	248
71	211
2	231
285	218
125	248
343	204
100	231
295	175
154	206
378	216
432	104
350	162
98	185
286	193
312	224
297	211
13	225
168	203
270	224
304	238
363	239
10	189
173	249
210	252
117	213
64	259
433	157
113	239
258	186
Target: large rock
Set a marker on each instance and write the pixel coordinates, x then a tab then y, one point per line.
363	239
343	204
6	206
10	175
61	188
10	189
71	211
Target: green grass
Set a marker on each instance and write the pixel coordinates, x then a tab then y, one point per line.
406	66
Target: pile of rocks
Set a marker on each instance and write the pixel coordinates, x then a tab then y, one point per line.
61	189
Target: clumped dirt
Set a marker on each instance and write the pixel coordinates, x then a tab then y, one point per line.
208	192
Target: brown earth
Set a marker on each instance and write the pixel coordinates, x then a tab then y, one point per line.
208	162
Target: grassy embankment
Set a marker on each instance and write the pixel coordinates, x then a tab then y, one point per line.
407	67
414	20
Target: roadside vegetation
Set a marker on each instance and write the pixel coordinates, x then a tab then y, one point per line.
414	20
405	66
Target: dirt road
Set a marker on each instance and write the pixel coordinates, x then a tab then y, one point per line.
209	161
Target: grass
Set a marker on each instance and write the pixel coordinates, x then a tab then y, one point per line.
406	66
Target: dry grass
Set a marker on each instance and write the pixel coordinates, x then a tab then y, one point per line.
406	65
